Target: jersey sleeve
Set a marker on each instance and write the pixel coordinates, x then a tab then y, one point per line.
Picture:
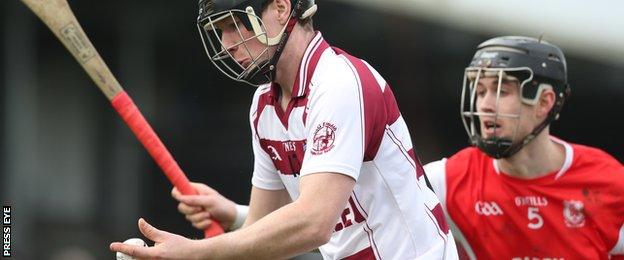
436	172
611	222
334	127
265	174
618	249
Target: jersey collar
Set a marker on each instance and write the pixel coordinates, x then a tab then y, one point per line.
310	59
308	64
569	154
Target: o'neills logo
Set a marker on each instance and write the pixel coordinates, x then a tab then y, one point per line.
573	213
324	137
532	201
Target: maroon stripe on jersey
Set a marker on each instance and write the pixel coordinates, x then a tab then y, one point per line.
371	238
364	254
438	212
367	228
407	154
440	232
392	109
284	115
400	145
311	65
263	100
419	168
296	89
310	68
375	114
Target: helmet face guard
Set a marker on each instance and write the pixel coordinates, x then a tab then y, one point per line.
241	20
252	71
495	145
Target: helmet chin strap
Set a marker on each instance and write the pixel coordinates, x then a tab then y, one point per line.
271	69
494	147
257	28
282	38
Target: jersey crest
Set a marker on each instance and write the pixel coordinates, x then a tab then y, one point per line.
573	213
324	137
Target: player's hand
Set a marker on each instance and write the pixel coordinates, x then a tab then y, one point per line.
167	245
199	209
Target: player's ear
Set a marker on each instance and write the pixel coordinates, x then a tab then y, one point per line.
546	102
283	8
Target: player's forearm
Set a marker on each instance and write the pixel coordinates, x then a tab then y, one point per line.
298	229
263	202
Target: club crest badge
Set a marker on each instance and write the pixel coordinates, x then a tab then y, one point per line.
574	213
324	137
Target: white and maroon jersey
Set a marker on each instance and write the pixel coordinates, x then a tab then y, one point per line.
343	119
576	212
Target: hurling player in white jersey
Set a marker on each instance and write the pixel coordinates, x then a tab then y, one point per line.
334	166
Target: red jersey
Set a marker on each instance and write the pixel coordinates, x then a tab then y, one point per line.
576	212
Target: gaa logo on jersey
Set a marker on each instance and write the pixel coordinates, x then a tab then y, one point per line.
324	137
573	213
488	208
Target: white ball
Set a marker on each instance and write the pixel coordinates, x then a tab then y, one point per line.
131	241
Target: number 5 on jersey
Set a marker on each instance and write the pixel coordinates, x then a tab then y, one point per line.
535	219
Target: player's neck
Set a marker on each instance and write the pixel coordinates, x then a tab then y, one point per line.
538	158
289	61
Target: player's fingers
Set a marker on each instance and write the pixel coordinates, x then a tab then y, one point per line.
132	250
198	217
202	188
175	192
187	210
202	224
151	232
196	200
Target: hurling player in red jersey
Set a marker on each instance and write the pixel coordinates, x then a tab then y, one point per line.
520	193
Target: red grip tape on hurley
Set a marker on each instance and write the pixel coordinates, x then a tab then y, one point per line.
126	108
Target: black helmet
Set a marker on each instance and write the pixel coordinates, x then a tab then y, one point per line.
261	68
535	64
